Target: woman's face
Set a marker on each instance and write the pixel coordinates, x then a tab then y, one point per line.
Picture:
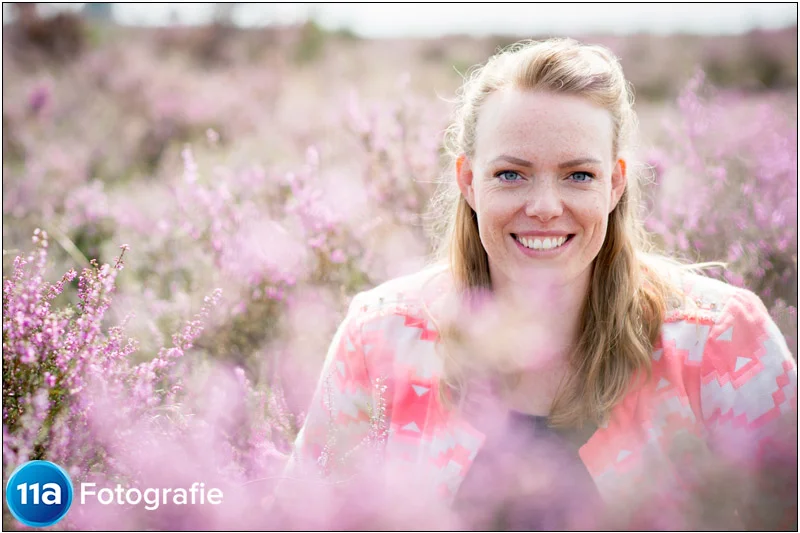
542	181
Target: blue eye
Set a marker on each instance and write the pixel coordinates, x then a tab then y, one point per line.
588	177
507	173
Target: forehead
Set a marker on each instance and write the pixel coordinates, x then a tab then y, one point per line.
540	124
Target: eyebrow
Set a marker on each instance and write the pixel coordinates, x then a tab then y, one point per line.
565	164
513	160
580	161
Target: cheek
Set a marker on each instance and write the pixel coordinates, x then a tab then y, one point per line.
494	215
594	220
592	213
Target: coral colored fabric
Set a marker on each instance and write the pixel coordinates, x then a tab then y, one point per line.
722	377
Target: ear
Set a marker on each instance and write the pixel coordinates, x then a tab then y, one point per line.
619	180
464	179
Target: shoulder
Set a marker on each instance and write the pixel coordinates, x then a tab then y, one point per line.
690	320
715	303
731	358
726	332
703	298
410	295
743	341
393	328
709	308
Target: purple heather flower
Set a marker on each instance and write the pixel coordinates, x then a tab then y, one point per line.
39	98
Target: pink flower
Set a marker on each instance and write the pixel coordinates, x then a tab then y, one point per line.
338	256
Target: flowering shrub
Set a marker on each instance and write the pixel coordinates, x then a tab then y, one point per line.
727	193
253	216
74	395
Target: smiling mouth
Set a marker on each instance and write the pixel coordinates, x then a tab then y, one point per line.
543	243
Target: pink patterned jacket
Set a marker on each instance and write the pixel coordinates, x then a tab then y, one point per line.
720	371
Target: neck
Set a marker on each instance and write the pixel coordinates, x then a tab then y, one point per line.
544	299
552	307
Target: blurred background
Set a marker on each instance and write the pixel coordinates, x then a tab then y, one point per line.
286	153
435	20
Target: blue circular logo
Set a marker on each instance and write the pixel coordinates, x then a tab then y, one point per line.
39	493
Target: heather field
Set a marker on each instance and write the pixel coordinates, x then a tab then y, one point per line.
187	213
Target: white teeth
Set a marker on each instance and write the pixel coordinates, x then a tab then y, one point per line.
542	244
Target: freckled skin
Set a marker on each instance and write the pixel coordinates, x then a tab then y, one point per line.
545	129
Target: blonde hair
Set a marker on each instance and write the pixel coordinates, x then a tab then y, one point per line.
627	299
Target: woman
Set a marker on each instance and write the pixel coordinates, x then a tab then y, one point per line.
549	372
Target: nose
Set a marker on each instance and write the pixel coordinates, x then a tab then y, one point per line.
544	201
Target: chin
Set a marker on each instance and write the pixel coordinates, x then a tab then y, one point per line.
537	275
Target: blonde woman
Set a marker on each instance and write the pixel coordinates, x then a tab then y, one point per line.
548	365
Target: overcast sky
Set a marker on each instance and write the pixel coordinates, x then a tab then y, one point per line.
429	19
